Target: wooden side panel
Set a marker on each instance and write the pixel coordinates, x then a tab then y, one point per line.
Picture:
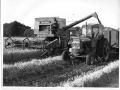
107	36
117	38
113	38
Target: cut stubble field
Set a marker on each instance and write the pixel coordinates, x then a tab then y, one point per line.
19	55
53	72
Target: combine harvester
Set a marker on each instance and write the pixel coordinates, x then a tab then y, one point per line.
93	41
43	28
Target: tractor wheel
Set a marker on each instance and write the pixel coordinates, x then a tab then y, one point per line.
90	59
103	49
65	56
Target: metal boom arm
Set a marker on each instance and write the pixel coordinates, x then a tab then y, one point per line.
81	20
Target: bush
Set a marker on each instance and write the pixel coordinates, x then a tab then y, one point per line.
14	29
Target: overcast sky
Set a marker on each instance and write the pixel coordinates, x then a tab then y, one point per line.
25	11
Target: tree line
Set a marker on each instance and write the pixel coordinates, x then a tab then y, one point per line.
17	29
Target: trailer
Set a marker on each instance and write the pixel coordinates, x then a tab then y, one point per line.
112	36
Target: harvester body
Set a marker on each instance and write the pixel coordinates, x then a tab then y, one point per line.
48	28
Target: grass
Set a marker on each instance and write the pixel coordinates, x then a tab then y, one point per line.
18	55
100	78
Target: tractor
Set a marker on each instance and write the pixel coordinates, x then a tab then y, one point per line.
91	44
94	43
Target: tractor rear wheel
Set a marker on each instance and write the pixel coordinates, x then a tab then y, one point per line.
90	59
65	56
103	49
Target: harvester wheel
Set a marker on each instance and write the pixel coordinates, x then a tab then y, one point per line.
9	43
90	59
103	49
26	42
65	56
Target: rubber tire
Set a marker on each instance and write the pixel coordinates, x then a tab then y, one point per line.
118	51
65	56
88	59
100	48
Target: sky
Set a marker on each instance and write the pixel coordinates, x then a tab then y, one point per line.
25	11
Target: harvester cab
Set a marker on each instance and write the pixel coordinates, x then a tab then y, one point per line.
46	27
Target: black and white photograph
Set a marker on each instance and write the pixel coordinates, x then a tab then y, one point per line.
60	43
